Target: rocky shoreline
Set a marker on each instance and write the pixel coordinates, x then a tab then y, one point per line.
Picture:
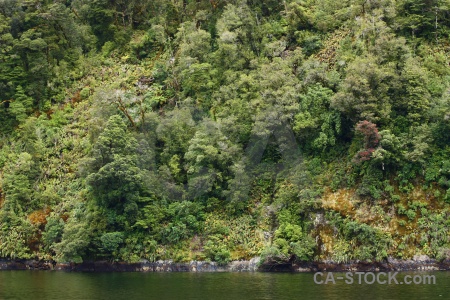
418	263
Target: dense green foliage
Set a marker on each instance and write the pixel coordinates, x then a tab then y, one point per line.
226	129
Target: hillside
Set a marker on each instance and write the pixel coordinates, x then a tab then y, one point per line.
224	130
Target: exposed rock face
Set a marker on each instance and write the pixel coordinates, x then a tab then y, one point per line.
6	264
417	263
142	266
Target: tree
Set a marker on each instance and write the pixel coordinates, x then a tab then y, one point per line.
194	43
175	131
53	231
388	152
237	42
17	183
116	184
75	240
364	93
116	181
425	18
415	101
208	160
369	131
114	141
21	106
316	122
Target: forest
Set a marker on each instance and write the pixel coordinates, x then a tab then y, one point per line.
221	130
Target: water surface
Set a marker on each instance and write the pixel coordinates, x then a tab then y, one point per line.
61	285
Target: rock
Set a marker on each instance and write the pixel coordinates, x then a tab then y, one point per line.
419	262
421	258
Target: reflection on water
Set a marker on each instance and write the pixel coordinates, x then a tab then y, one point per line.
60	285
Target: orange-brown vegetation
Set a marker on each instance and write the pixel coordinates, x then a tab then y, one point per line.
39	217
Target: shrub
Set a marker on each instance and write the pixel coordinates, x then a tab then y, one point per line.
111	241
291	241
217	251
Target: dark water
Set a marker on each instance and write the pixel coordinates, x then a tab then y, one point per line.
61	285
